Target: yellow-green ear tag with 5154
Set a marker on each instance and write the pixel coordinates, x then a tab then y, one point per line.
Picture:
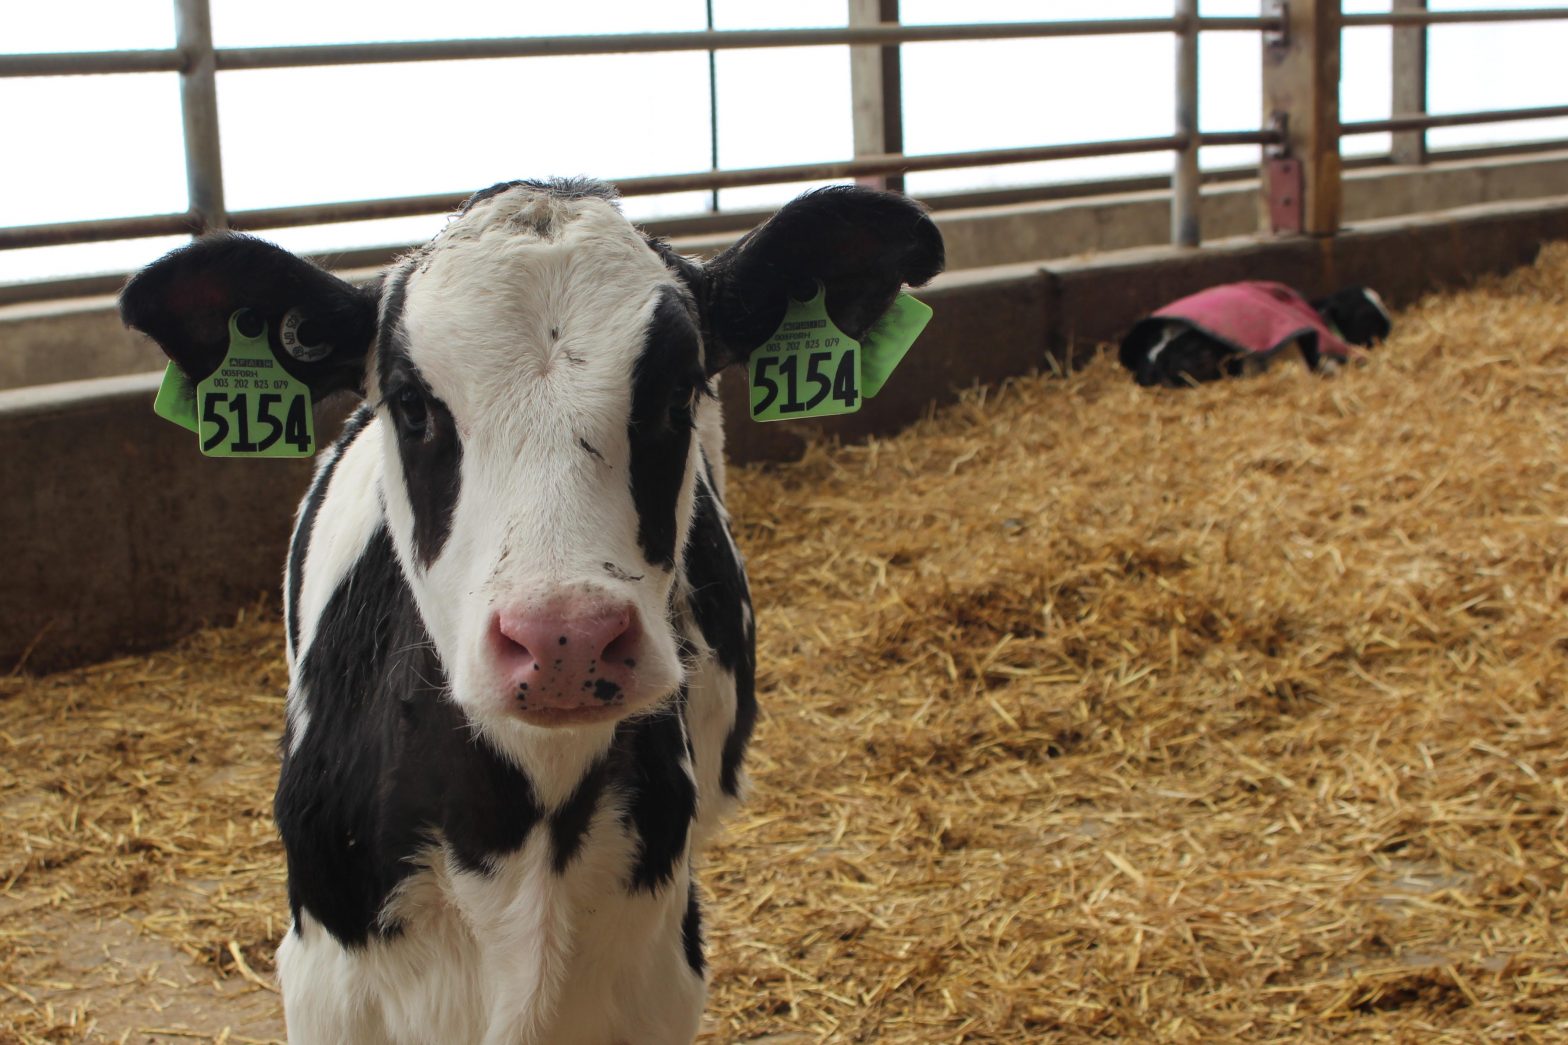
250	406
808	368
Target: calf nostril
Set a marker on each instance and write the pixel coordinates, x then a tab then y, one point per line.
622	646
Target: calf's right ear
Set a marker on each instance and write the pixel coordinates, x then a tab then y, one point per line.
320	327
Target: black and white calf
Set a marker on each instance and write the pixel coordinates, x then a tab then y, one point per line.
1236	329
519	635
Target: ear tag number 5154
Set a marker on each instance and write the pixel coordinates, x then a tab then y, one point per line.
250	406
808	368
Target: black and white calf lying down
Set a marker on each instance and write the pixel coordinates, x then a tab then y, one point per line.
519	634
1236	329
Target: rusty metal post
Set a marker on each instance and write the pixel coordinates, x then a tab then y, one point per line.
1186	180
199	109
1301	98
1409	83
876	86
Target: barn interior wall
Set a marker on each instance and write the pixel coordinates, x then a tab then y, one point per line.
122	537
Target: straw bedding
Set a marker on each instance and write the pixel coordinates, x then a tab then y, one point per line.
1094	713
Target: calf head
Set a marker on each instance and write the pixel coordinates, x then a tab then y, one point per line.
542	375
1358	313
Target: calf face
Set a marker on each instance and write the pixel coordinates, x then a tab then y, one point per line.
535	372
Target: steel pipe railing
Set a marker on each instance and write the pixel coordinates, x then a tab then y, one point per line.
197	61
1422	122
651	185
305	55
1539	14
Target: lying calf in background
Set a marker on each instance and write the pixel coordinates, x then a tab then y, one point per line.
1240	328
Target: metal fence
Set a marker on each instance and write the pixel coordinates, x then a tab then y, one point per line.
1300	130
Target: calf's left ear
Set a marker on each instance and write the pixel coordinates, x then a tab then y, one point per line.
320	327
860	244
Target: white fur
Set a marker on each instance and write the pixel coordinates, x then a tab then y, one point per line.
1169	333
1377	302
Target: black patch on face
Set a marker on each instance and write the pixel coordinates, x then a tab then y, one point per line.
570	823
660	797
691	931
717	583
606	690
427	440
387	761
299	543
665	382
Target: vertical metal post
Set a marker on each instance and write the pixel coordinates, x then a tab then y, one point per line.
1186	181
713	114
1409	83
877	89
199	109
1301	96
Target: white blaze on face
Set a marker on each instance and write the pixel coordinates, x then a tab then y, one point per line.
522	325
1376	300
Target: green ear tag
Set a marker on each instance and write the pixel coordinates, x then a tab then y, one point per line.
176	398
887	342
250	406
808	368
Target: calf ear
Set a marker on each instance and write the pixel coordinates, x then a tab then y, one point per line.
862	245
184	301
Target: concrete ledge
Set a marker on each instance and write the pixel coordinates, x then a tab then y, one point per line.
122	537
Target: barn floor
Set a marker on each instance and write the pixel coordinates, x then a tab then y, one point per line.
1237	714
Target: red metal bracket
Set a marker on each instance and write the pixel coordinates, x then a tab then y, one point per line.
1285	188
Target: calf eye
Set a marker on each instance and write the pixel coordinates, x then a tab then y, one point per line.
410	412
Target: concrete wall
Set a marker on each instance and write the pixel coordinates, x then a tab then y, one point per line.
122	537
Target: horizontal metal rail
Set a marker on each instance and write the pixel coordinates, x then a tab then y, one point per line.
92	63
1415	122
1540	14
257	220
100	230
294	57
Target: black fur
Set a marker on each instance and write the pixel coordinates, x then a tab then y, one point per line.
184	301
717	582
691	931
569	826
661	799
665	381
862	245
432	453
